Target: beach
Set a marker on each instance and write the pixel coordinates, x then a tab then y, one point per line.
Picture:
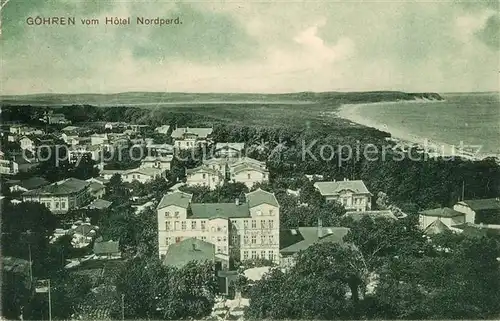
357	113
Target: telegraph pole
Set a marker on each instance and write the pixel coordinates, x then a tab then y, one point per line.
123	306
50	304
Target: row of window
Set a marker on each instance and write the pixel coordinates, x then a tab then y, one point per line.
57	205
264	239
170	240
263	224
262	255
194	226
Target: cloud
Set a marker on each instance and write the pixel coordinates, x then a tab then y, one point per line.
228	46
490	33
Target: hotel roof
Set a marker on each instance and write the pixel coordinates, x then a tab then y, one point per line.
202	169
259	197
235	146
219	210
335	187
177	198
248	167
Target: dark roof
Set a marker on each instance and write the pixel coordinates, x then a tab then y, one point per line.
64	187
483	204
334	188
33	182
219	210
94	186
441	212
200	132
295	240
191	249
357	215
436	227
99	204
248	166
104	248
177	198
259	197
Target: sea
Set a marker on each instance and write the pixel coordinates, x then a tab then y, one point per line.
471	120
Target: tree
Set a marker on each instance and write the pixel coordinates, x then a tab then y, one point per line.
27	227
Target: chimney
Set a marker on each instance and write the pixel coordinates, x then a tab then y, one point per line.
320	228
237	201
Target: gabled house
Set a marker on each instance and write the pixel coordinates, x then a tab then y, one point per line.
143	174
293	241
157	162
353	195
204	176
477	211
189	138
57	119
107	249
248	173
162	129
446	215
28	184
62	196
229	149
97	189
242	229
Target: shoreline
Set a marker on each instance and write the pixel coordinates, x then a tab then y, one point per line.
402	138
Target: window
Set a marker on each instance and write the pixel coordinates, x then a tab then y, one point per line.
193	225
262	239
271	239
262	223
168	240
254	224
249	176
219	249
271	255
218	239
254	239
213	178
254	255
245	223
263	254
271	224
178	239
176	226
245	255
57	204
183	225
219	229
203	238
271	212
167	226
224	239
234	239
167	214
176	214
245	239
63	205
204	176
203	225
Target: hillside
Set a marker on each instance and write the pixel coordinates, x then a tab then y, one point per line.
156	99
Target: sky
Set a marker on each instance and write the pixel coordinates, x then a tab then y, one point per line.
252	46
